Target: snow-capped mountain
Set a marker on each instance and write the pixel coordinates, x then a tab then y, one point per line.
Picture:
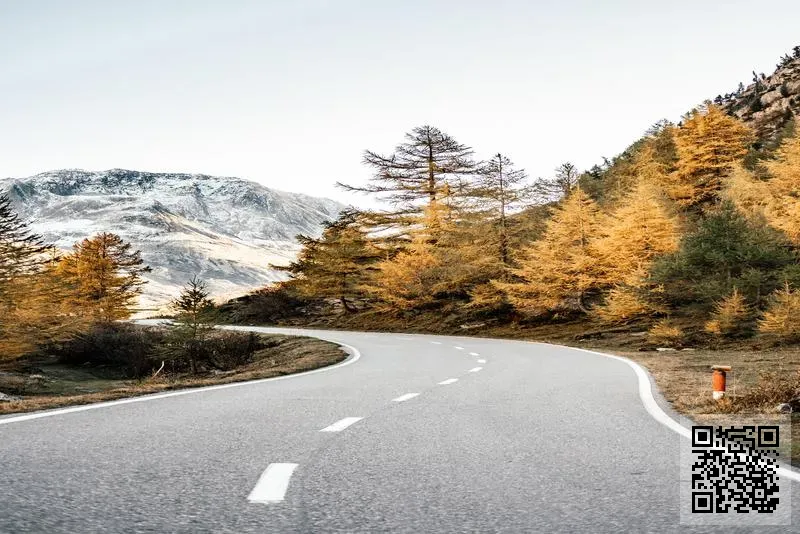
225	230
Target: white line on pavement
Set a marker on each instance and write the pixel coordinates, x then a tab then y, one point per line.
448	381
481	361
655	411
474	354
475	369
458	348
436	342
405	397
273	483
341	425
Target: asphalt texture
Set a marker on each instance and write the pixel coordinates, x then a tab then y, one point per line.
540	439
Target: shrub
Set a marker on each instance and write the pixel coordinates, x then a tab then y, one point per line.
782	318
772	388
730	317
664	331
125	347
230	350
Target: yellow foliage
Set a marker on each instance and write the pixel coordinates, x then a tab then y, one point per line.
709	144
781	318
106	274
563	266
729	315
664	331
623	303
777	200
640	229
433	265
750	195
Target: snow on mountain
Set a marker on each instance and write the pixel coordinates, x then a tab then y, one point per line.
225	230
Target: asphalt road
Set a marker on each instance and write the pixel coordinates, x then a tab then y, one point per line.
502	436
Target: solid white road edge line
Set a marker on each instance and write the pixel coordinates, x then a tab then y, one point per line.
475	369
481	361
403	398
655	411
272	484
448	381
340	425
355	355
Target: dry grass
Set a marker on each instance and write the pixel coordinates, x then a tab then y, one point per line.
66	386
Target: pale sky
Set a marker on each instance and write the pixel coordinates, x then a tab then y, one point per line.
290	93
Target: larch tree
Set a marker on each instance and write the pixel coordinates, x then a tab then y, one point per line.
640	229
338	264
428	166
783	209
563	268
107	274
709	143
436	268
22	255
559	185
499	190
780	318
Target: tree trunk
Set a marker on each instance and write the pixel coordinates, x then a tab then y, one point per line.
345	305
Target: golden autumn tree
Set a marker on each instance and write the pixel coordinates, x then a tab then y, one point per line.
783	209
730	315
336	265
640	229
775	200
560	270
436	268
780	319
107	276
709	143
33	300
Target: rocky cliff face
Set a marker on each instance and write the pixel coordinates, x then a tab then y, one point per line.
769	103
225	230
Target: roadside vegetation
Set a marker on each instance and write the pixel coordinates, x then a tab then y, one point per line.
63	340
687	242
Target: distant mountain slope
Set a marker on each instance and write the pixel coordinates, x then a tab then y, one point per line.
769	102
225	230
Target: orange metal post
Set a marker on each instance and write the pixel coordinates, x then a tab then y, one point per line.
718	379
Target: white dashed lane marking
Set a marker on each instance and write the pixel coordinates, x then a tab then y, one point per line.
407	396
475	369
436	342
481	361
459	348
338	426
448	381
273	483
474	354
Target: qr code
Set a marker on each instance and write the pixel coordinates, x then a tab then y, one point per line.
735	469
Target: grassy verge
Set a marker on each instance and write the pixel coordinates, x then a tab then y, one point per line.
44	384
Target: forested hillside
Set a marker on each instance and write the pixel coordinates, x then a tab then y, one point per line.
692	233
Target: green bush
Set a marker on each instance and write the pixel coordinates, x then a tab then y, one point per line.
725	251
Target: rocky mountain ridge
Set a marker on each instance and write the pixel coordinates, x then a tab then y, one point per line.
225	230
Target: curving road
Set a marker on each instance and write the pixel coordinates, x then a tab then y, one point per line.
411	434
